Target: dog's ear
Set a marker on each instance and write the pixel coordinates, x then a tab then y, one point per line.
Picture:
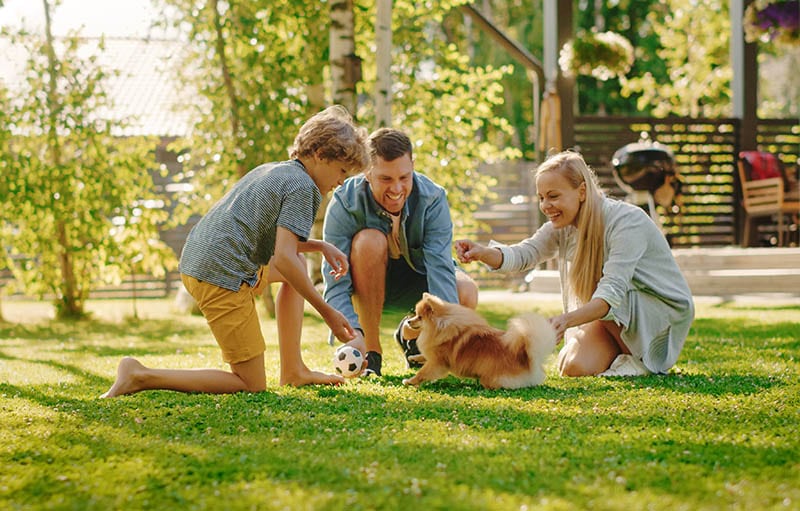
433	302
423	307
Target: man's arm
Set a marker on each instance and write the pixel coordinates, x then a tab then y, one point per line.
437	241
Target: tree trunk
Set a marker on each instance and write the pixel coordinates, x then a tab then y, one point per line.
345	65
383	59
345	74
69	305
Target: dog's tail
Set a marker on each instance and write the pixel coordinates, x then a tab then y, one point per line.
536	331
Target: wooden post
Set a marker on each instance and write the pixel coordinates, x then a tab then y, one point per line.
565	85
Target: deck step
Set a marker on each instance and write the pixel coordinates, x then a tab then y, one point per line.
719	272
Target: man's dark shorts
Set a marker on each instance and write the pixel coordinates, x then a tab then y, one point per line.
404	286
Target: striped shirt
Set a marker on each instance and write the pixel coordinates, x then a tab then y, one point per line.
230	244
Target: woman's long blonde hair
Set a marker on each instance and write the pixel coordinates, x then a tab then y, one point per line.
587	265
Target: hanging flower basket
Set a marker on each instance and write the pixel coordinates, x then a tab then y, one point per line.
603	55
773	21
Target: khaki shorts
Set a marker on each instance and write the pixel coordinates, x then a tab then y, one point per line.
232	317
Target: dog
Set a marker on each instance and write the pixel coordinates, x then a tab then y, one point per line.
456	339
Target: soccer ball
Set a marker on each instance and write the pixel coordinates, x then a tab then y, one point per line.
348	361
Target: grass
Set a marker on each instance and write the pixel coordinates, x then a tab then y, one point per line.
720	432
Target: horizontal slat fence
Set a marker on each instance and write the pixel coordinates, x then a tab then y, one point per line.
705	152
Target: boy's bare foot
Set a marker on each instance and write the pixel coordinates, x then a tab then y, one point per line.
126	378
309	377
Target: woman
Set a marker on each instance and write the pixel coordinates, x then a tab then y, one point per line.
627	307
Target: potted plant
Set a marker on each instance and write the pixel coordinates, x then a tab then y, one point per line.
773	21
603	55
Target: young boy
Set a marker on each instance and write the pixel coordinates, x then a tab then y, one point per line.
254	235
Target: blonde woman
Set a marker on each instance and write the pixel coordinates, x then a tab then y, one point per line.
627	307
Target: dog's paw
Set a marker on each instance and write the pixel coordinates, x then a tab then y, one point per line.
409	381
419	359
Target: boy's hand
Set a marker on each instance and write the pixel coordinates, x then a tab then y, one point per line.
339	325
337	259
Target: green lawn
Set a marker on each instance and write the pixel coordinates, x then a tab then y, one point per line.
721	432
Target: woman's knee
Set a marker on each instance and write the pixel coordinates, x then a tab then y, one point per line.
582	356
467	291
571	364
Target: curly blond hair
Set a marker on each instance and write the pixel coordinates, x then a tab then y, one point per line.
332	135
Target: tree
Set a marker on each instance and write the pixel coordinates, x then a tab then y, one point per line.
248	109
280	54
521	20
79	208
694	40
6	171
445	103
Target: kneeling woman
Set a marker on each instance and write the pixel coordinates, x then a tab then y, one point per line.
627	306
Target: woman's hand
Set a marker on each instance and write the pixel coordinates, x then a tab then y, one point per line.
560	325
468	251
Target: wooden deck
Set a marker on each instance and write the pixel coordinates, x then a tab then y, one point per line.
721	272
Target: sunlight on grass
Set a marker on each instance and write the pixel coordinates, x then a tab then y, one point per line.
717	433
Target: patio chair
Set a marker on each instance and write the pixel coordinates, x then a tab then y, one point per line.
767	190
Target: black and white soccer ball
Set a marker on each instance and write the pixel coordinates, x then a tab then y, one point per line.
348	361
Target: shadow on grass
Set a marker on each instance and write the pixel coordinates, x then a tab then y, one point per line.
72	330
73	370
321	439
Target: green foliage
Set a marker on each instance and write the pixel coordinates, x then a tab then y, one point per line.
445	103
522	22
694	38
719	433
275	51
630	19
78	206
603	55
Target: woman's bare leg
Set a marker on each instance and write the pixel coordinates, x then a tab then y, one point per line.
589	351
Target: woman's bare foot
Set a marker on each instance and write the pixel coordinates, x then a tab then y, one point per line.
309	377
126	378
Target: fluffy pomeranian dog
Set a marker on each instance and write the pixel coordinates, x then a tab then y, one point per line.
456	339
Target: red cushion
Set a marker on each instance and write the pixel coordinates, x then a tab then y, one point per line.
762	165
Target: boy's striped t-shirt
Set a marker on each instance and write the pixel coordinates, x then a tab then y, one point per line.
230	244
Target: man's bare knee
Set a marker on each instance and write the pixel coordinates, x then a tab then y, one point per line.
369	241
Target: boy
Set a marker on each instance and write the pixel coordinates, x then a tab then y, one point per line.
254	235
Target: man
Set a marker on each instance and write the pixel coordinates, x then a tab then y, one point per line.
394	225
